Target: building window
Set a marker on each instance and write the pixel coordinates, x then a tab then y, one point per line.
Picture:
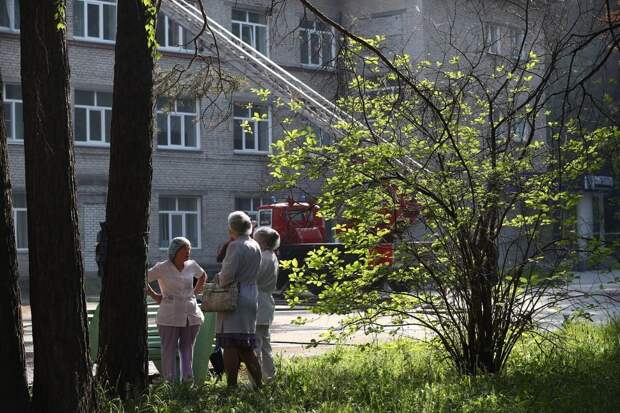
179	217
9	15
520	130
13	113
92	117
317	43
250	205
252	127
177	125
251	28
323	138
504	40
516	37
171	35
20	220
494	39
516	128
94	19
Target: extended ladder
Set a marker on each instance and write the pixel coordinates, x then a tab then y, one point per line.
249	62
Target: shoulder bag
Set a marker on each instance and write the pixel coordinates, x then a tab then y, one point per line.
217	299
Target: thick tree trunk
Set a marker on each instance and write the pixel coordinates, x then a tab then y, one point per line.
123	356
14	392
62	370
482	349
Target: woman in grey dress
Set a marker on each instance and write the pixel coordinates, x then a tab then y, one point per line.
235	330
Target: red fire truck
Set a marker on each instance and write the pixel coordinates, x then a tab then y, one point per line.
302	231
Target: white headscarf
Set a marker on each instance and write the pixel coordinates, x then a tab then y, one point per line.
175	245
267	237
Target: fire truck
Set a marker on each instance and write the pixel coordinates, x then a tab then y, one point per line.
302	230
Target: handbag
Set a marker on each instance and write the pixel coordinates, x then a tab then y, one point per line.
217	361
217	299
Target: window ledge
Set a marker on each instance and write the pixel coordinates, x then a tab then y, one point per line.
254	153
326	68
13	32
178	149
178	51
82	144
308	68
87	41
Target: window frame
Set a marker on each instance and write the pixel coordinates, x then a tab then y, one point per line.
92	108
253	124
14	212
175	112
266	213
14	17
324	138
516	37
253	211
253	26
330	30
503	40
517	129
494	45
11	135
185	46
100	4
522	135
183	214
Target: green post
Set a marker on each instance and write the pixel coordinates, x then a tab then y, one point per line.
93	334
203	348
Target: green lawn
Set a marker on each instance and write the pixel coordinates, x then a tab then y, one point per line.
582	374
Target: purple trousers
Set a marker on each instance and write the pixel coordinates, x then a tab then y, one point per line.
175	340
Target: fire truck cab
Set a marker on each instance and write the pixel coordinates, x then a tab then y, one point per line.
296	222
302	230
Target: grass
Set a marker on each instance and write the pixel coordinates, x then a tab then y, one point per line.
581	374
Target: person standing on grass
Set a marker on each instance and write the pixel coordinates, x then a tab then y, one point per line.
179	318
235	330
269	241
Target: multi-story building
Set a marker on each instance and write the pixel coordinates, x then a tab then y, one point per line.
201	172
205	169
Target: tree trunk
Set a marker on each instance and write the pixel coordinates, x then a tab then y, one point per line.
62	369
123	357
482	350
14	392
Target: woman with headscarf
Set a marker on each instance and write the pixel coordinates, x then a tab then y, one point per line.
269	241
235	330
179	318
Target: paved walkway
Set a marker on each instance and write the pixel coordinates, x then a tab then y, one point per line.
288	340
291	340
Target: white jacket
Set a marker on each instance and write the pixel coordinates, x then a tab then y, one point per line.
267	280
178	306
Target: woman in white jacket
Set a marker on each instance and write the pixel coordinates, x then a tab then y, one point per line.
269	241
179	318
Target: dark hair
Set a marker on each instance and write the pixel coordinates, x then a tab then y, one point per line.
221	252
